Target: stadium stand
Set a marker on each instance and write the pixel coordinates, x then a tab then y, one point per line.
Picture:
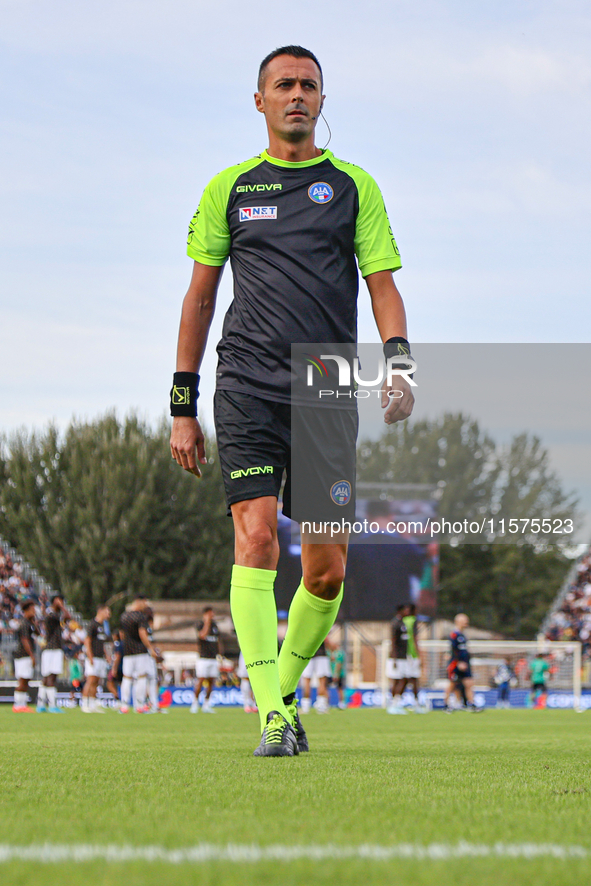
570	615
19	580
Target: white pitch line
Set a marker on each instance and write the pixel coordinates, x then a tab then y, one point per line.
49	853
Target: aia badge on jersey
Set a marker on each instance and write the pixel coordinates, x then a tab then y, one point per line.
320	192
341	492
256	213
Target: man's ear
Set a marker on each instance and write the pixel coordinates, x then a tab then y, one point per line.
259	102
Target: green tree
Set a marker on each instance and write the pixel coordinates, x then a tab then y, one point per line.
503	587
474	478
451	453
103	509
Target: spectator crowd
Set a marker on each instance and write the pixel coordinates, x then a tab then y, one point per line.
14	588
572	619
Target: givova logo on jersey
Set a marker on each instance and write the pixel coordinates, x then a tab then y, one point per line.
257	213
320	192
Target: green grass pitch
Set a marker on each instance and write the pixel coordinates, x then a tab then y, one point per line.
175	781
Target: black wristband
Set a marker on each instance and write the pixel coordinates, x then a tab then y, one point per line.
396	347
184	394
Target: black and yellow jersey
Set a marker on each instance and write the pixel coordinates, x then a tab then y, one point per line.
295	234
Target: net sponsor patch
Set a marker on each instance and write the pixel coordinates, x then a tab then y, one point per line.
257	213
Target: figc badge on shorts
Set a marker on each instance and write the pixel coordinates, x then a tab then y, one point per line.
320	192
341	492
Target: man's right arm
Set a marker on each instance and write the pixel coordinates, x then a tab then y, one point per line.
88	648
28	647
186	440
115	663
204	631
143	635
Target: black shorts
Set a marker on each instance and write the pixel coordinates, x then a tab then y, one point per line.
255	439
456	676
535	687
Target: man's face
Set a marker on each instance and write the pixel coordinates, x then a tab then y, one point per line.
291	97
29	613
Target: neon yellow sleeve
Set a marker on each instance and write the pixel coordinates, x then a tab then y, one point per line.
209	234
375	246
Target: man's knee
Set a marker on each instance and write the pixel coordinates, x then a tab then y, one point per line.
255	527
257	546
326	584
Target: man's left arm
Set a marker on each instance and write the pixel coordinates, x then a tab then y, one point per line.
390	316
415	633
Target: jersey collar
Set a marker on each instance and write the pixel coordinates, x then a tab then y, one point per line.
301	164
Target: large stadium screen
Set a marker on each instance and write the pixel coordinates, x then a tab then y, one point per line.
382	570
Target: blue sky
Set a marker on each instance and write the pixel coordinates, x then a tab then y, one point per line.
473	117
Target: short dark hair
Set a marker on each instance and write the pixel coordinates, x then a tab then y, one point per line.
55	597
295	52
26	604
208	609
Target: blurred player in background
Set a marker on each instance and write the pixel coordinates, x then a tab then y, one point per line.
96	666
413	656
76	672
503	678
336	656
24	656
459	671
318	668
539	671
248	701
295	261
52	657
208	669
153	667
138	650
396	668
115	675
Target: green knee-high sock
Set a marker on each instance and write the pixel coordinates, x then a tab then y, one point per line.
310	619
255	618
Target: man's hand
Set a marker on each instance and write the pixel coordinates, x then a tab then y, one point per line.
397	407
187	443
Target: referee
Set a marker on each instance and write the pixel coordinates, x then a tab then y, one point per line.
296	224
